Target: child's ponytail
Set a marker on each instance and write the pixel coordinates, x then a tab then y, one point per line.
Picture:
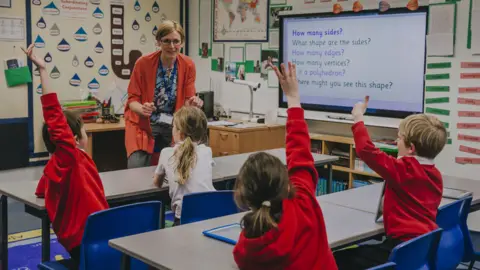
185	159
259	221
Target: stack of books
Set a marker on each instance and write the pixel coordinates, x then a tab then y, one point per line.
88	109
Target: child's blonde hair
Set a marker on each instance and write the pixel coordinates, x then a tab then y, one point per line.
425	132
192	123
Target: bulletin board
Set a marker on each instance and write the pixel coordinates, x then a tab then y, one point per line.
91	46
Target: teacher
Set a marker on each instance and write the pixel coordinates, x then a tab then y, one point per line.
161	83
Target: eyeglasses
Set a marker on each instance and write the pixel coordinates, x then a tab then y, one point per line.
175	42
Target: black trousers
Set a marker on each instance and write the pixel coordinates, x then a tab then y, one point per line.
365	256
74	261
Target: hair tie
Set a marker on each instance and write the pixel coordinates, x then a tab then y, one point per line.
266	203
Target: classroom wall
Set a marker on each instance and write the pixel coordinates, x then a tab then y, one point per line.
236	98
13	101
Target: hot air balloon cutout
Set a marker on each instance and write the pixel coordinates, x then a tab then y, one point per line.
155	7
55	73
93	84
337	8
98	13
412	5
137	6
97	29
103	70
98	48
154	31
41	23
148	17
89	62
51	9
63	46
95	2
75	80
75	61
143	39
48	58
39	89
36	71
54	30
80	35
383	6
357	6
39	42
36	2
135	25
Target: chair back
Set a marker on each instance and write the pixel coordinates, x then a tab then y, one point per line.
469	247
418	253
385	266
115	223
451	246
206	205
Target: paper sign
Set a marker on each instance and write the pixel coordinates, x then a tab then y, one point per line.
437	111
437	88
439	65
470	76
437	100
470	65
468	138
469	101
444	76
469	90
466	160
449	141
446	124
468	125
470	150
469	113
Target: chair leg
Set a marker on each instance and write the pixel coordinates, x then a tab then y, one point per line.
470	267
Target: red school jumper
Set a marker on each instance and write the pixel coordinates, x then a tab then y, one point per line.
300	241
413	188
70	183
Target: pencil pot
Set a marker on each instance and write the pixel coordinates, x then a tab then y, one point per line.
106	111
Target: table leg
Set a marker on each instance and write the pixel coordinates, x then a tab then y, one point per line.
89	149
4	234
329	178
125	262
162	216
45	239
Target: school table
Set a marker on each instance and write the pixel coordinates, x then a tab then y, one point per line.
91	128
185	247
121	187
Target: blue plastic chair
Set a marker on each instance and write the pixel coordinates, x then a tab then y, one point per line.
451	246
206	205
470	254
418	253
111	224
385	266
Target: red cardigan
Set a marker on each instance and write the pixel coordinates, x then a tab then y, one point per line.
300	241
413	188
138	132
70	183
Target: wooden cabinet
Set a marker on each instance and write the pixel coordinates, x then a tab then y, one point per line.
233	140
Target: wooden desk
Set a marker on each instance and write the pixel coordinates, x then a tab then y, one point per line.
91	128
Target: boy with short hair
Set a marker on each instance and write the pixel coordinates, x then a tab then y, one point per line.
70	183
413	185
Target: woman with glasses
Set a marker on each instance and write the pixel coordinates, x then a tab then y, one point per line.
161	83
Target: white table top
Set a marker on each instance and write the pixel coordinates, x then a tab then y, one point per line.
20	184
167	248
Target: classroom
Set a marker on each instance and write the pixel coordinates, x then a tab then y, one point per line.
240	134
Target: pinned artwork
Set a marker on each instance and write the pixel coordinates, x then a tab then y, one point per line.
39	89
154	31
95	2
135	25
48	58
103	70
163	17
55	73
63	46
383	6
412	5
155	7
97	29
337	8
89	62
93	84
143	39
36	2
51	9
148	17
136	6
39	42
98	13
99	48
75	80
54	30
80	35
75	61
36	71
41	23
357	6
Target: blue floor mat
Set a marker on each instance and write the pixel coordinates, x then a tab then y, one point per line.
26	254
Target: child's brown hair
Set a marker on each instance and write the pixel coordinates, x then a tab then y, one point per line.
192	123
425	132
75	123
262	185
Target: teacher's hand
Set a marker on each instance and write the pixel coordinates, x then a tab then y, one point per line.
147	109
194	101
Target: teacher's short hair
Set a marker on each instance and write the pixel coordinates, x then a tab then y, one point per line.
169	26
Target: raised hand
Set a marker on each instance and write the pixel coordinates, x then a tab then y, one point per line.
39	62
289	83
359	110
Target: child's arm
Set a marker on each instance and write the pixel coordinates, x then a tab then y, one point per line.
159	176
299	156
385	165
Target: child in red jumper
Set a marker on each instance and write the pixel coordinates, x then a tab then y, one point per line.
285	228
413	185
70	183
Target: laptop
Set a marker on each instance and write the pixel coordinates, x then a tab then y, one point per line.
379	214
